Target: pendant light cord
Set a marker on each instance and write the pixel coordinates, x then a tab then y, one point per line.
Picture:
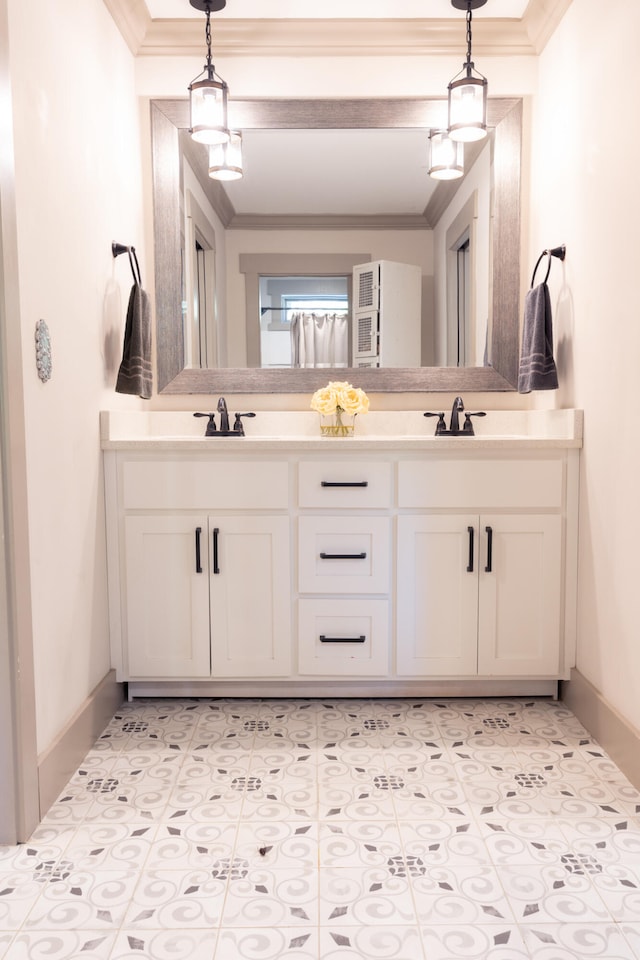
469	63
208	65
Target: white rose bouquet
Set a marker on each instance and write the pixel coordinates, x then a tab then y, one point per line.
336	398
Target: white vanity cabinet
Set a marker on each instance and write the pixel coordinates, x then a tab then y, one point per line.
203	570
480	594
166	619
250	596
311	567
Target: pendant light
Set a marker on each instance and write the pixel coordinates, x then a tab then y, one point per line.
225	159
446	160
208	92
468	90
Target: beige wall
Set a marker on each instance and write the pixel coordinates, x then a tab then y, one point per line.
585	193
78	188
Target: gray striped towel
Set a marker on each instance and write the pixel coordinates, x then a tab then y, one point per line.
537	366
135	375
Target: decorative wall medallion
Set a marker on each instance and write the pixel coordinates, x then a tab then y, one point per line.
43	350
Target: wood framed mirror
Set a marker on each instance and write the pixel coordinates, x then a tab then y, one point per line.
174	377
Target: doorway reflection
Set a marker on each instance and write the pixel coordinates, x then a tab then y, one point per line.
304	321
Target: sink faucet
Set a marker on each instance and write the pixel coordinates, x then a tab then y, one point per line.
224	415
457	408
454	426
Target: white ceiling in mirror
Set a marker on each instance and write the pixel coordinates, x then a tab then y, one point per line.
336	9
363	172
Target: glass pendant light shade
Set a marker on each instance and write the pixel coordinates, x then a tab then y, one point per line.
468	90
468	106
225	159
445	156
208	93
208	110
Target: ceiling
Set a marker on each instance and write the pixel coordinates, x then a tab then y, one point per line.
329	9
363	172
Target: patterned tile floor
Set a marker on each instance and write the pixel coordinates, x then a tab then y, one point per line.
332	830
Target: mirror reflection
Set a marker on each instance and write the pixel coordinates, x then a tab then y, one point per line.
304	322
215	245
374	181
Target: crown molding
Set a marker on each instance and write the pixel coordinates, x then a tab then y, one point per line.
541	19
252	221
308	38
133	21
345	37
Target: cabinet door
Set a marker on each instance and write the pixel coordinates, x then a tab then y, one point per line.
437	596
519	597
250	596
167	599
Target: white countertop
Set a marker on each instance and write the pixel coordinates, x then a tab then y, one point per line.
384	430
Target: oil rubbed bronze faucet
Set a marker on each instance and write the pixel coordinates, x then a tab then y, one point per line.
224	431
224	415
454	424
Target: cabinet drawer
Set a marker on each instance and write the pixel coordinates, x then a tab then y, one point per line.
343	554
343	638
480	484
188	484
344	483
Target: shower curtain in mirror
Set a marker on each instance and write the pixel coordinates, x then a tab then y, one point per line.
319	340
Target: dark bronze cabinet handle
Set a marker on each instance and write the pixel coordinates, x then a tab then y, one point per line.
343	556
198	558
470	564
344	483
488	568
216	532
325	639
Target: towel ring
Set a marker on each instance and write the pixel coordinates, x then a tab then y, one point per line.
117	249
559	252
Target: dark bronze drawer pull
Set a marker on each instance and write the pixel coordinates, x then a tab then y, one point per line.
343	556
198	558
489	566
344	483
216	536
325	639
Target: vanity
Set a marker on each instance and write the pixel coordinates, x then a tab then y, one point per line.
395	563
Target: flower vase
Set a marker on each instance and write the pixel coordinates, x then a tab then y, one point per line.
338	424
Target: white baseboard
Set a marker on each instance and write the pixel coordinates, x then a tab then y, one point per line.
57	764
615	734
